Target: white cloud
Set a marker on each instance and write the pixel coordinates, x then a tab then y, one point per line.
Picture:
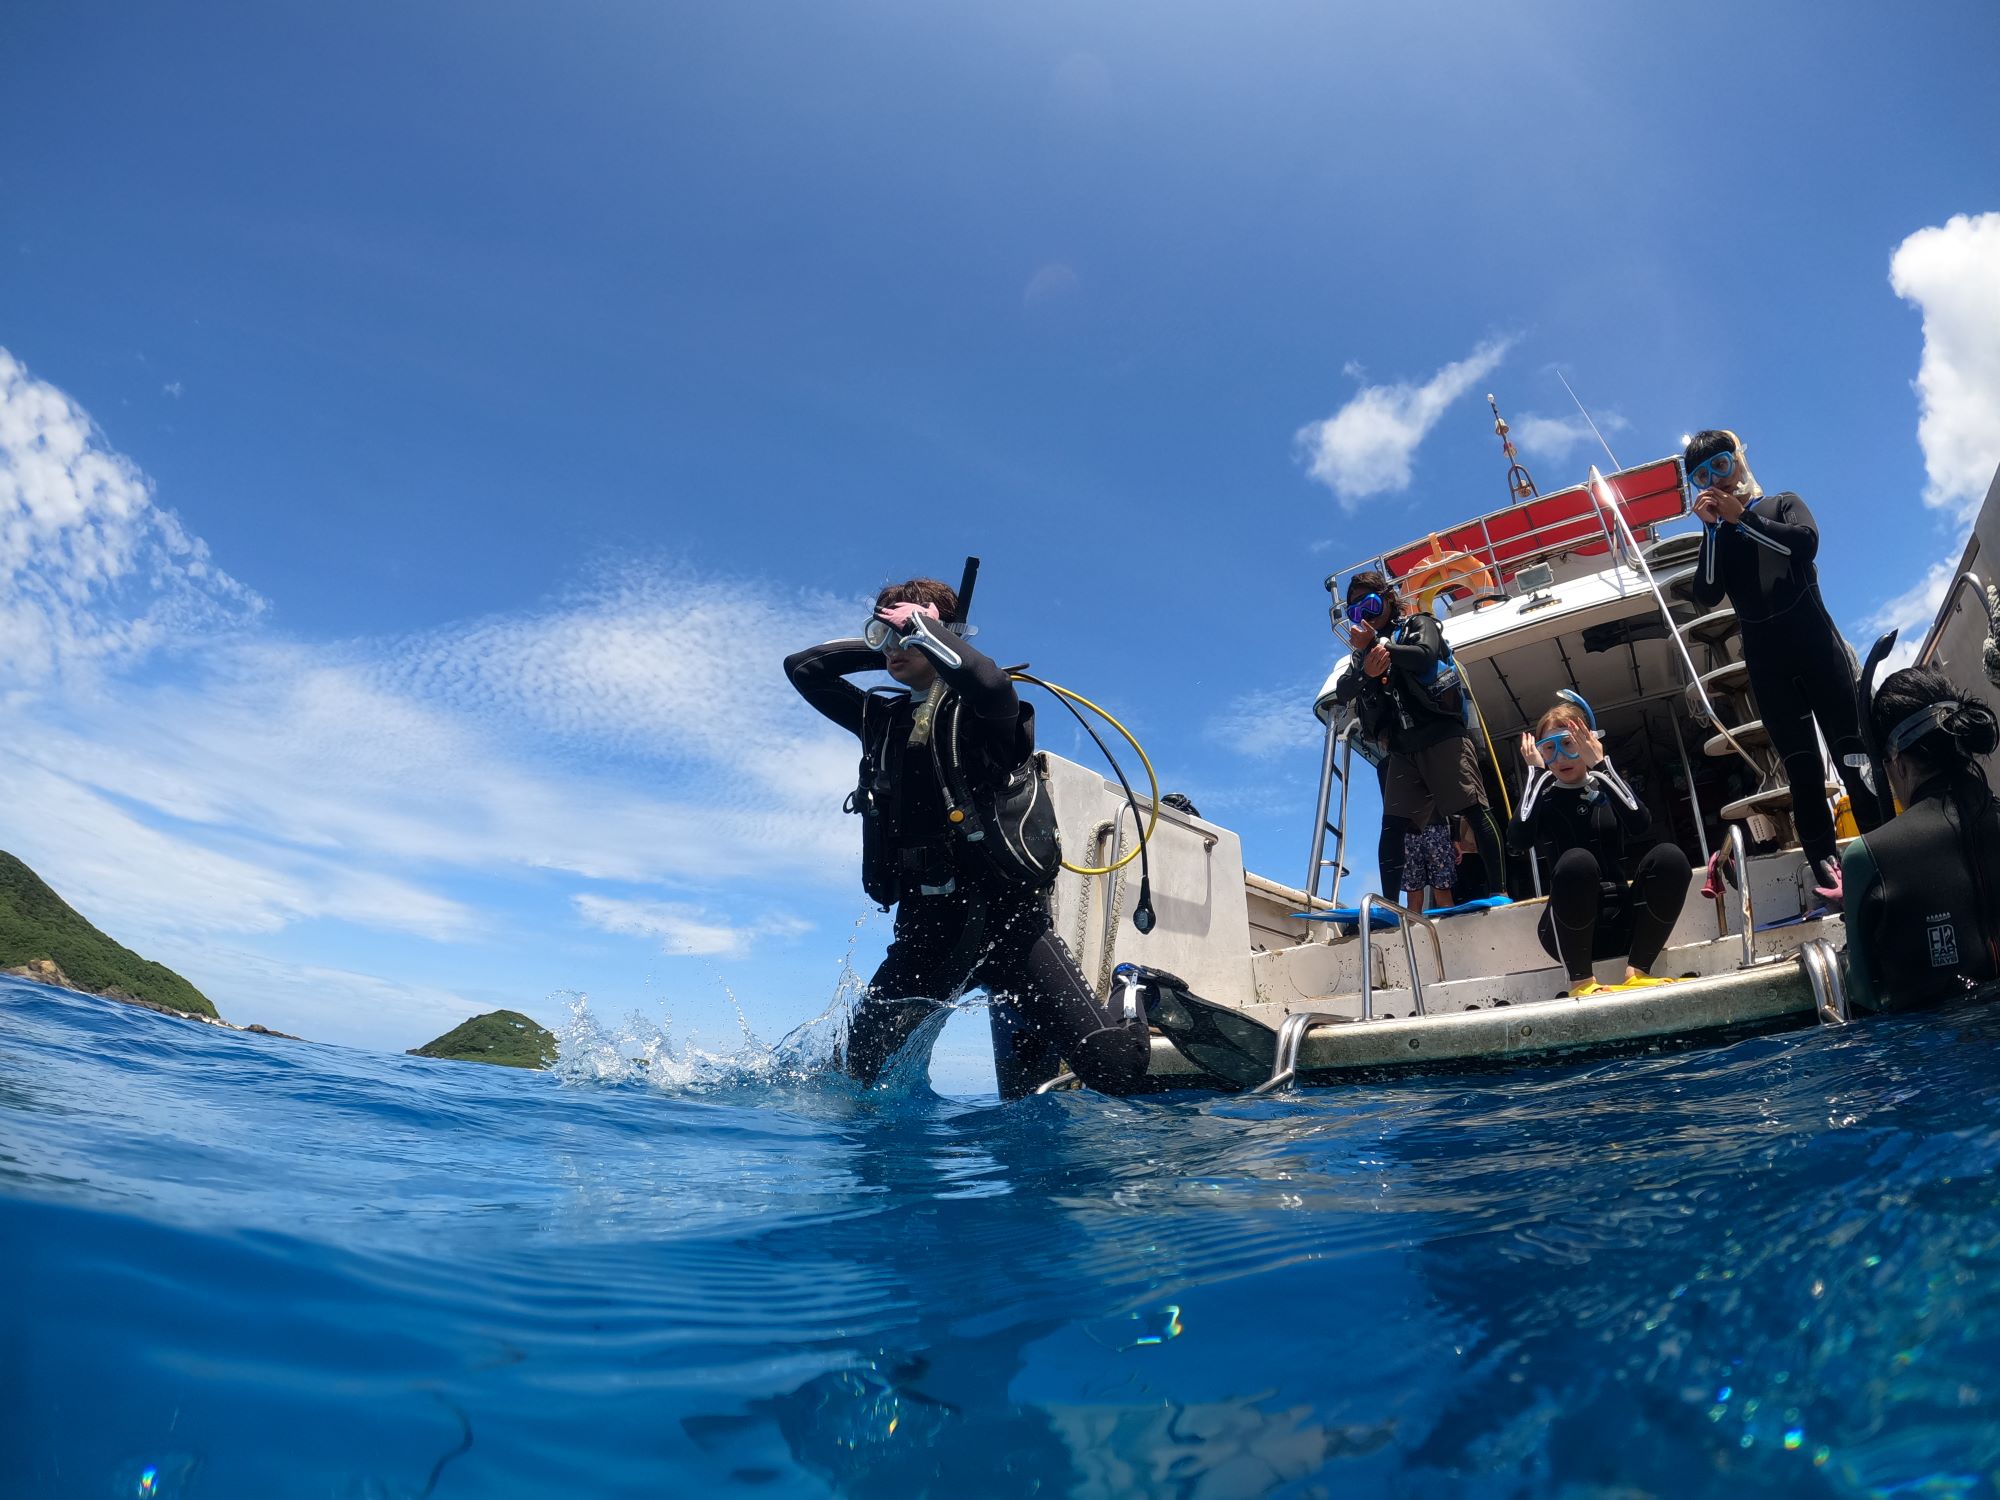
91	571
1367	446
1952	273
1910	613
640	732
1554	439
1268	723
681	927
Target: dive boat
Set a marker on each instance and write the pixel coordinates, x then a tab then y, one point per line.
1586	589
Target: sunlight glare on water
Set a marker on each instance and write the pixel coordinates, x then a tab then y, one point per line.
269	1268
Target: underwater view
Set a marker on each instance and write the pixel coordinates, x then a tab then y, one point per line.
247	1266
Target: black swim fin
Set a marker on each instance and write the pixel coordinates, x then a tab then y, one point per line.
1233	1049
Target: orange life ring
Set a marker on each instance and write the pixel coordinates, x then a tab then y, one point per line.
1448	570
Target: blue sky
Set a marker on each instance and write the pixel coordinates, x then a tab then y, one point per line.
427	427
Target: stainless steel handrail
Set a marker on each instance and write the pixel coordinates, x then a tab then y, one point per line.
1368	904
1936	635
1822	970
1607	504
1739	852
1291	1036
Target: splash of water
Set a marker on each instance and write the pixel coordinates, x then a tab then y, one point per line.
642	1050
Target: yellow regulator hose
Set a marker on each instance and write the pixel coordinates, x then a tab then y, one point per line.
1152	780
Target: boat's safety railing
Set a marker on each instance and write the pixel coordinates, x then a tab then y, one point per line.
1290	1035
1292	1032
1409	919
1522	550
1829	987
1608	507
1339	740
1936	637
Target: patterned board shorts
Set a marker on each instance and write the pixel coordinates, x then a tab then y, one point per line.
1429	859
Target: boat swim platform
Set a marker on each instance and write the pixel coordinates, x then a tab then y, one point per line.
1774	992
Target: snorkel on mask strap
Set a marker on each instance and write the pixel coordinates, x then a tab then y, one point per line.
1864	706
1572	696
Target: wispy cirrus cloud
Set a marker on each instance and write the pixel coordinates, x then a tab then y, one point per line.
92	572
1554	439
1368	446
683	927
1268	723
183	796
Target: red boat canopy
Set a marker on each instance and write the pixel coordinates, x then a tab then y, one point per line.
1563	524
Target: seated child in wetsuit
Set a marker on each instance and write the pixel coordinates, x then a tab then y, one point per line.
1923	910
1578	811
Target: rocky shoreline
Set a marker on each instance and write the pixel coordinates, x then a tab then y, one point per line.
48	971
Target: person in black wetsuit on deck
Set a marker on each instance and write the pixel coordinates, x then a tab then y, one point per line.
1403	677
1758	550
965	917
1578	811
1923	890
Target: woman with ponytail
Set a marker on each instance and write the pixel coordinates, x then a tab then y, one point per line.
1923	890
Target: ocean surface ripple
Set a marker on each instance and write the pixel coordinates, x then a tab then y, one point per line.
246	1266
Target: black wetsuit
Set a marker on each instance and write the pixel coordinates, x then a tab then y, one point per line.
1798	664
957	926
1923	900
1592	913
1419	707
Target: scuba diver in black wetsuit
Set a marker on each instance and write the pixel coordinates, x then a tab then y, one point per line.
958	835
1404	679
1758	549
1580	812
1923	889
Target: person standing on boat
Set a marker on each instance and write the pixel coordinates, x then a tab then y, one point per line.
1403	672
971	909
1578	812
1923	889
1758	550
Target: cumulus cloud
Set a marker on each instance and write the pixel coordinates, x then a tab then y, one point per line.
1366	447
682	927
1951	273
92	572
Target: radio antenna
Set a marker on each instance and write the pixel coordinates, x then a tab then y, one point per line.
1520	483
1615	465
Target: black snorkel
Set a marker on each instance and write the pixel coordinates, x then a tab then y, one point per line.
966	582
1864	707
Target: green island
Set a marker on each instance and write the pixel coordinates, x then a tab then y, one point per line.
45	938
502	1036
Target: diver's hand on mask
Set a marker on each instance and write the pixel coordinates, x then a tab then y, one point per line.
922	633
1531	752
1590	749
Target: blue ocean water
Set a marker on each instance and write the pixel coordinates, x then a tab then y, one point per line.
242	1266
